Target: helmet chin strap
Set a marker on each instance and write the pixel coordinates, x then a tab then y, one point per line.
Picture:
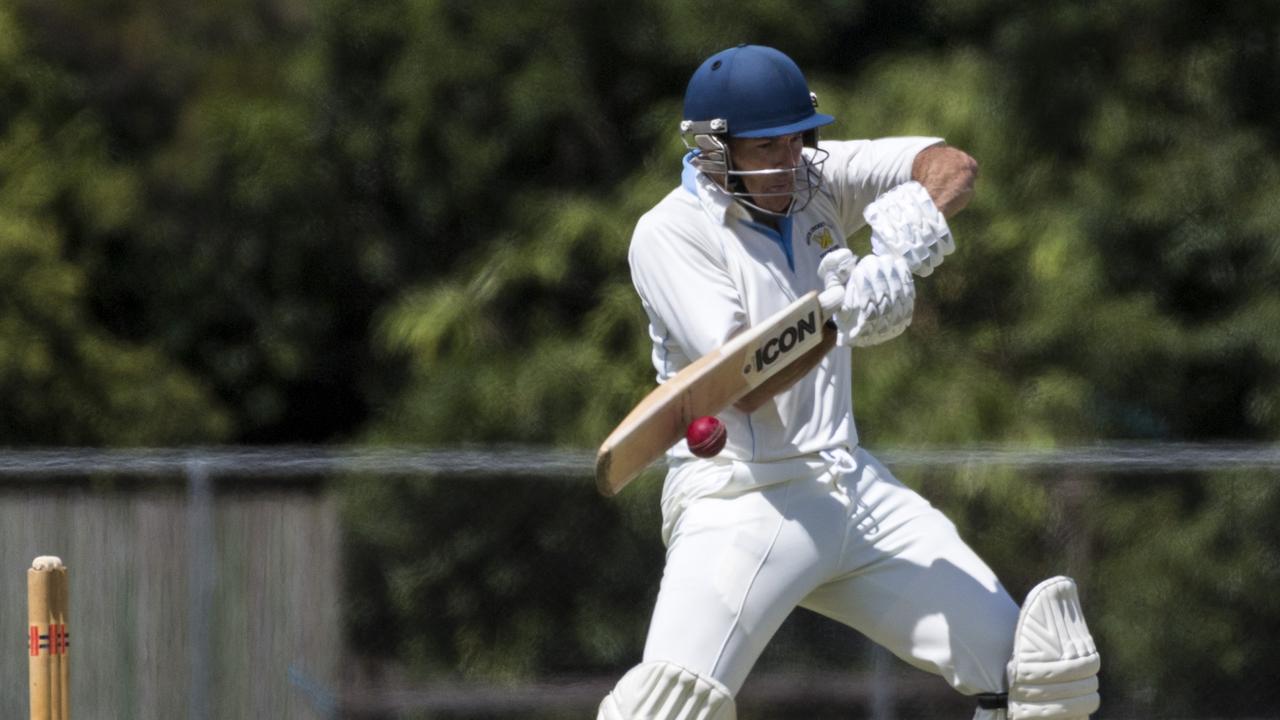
743	197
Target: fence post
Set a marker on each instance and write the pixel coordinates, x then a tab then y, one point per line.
883	691
201	559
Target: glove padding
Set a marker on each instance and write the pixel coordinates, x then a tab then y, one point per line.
879	299
905	222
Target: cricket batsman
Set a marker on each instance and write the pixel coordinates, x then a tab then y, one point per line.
794	512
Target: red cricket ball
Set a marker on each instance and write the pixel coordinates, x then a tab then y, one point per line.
706	436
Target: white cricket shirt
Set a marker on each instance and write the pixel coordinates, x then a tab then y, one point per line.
705	270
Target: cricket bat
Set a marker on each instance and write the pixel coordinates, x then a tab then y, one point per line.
709	385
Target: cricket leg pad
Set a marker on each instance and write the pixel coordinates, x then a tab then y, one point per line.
1054	671
665	691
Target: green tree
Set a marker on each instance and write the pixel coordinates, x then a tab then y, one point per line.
65	378
407	222
1110	283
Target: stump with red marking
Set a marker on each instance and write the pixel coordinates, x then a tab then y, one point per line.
48	641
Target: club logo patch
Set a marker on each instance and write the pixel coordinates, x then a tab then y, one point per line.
821	235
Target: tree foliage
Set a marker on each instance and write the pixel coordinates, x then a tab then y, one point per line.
64	376
407	222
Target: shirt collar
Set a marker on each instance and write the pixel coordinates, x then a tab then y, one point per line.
714	201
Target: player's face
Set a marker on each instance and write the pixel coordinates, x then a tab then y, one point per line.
771	191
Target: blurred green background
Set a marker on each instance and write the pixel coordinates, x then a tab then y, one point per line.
386	222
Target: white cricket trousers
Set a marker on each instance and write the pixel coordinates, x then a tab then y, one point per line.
860	548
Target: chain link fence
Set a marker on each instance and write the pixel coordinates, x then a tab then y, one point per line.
207	583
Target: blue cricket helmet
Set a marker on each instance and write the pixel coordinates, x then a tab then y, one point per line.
757	91
750	91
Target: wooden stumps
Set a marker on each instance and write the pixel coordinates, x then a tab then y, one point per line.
48	640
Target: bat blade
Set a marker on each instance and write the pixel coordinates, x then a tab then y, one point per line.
705	387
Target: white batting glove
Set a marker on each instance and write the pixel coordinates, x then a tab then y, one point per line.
905	222
879	300
835	269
